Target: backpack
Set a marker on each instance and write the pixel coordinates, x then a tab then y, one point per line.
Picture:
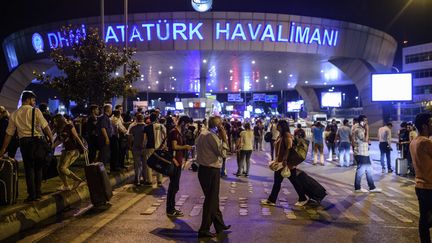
268	137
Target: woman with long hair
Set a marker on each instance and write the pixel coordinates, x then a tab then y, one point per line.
283	144
68	136
246	147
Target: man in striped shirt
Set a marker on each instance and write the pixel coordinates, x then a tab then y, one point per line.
360	136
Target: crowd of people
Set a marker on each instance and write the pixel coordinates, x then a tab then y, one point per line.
107	135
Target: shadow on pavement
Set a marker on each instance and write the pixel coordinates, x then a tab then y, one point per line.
182	232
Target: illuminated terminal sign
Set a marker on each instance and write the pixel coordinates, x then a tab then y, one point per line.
164	30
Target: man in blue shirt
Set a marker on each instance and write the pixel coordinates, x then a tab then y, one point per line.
317	135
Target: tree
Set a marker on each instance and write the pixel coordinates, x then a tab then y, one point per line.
90	75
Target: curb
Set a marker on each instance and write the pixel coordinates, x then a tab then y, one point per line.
30	216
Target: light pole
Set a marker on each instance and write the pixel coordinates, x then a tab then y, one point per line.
125	2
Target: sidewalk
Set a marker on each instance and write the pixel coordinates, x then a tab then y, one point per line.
22	216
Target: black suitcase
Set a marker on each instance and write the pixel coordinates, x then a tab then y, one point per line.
98	183
313	189
8	181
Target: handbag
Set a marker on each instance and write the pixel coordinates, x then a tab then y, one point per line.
298	151
41	150
268	137
286	172
162	161
275	165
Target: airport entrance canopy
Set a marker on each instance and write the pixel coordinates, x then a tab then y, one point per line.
221	51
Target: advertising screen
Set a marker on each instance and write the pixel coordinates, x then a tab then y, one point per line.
229	108
179	105
235	98
392	87
271	99
331	99
294	106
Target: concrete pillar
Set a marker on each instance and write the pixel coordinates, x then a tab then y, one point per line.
203	79
359	72
310	98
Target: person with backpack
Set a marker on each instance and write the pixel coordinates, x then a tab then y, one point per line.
330	138
22	122
154	134
258	135
299	132
72	144
283	144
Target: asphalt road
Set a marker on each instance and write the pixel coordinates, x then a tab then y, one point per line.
138	214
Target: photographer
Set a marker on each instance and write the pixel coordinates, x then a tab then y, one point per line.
384	135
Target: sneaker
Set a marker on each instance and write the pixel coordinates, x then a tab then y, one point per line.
267	202
361	190
301	203
376	190
176	213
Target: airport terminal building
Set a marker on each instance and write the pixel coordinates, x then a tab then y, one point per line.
222	52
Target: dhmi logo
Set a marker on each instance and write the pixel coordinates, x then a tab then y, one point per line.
202	5
38	43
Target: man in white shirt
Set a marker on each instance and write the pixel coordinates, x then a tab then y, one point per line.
21	120
384	135
275	135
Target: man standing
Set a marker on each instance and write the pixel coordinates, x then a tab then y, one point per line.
92	134
421	152
275	135
177	146
211	149
21	120
136	137
154	133
105	132
384	135
330	140
360	137
343	136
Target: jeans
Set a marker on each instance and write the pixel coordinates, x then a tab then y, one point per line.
363	166
344	153
277	186
105	154
33	170
92	148
245	156
331	150
173	188
115	152
223	168
385	150
138	157
424	197
209	179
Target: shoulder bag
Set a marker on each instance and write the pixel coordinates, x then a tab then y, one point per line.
162	161
41	151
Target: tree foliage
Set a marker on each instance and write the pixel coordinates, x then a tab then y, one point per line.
93	73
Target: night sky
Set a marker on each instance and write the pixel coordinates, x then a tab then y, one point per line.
405	20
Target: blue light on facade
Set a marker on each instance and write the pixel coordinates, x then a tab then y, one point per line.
168	30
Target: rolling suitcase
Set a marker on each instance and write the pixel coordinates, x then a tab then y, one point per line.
311	187
8	181
401	164
98	182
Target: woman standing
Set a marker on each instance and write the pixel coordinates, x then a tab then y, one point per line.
282	146
68	136
246	146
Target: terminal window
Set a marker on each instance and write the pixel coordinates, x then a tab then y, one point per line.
419	57
424	73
